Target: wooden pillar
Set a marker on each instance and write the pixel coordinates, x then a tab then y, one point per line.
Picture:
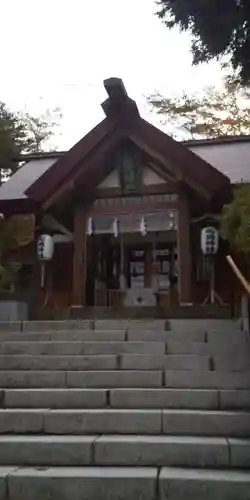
80	255
148	266
184	253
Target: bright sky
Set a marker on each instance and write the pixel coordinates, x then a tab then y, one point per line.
58	52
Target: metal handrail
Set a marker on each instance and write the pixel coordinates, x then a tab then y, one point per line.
239	274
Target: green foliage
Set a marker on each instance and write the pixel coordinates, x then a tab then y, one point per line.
15	232
7	277
21	133
235	221
214	113
217	28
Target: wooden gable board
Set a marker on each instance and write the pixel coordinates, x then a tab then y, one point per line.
185	165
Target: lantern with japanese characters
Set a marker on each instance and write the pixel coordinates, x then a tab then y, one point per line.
45	247
209	240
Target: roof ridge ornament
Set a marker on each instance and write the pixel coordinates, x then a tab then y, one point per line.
118	105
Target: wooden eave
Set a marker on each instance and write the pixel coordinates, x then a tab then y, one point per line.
87	158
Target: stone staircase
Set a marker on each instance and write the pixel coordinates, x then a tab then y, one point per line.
124	410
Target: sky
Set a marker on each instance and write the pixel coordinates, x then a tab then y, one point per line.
56	53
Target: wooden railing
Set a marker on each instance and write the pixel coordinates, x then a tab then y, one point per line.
239	274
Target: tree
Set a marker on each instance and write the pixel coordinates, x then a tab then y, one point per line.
21	133
217	28
213	113
235	221
15	232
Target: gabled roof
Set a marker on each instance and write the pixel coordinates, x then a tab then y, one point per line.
86	157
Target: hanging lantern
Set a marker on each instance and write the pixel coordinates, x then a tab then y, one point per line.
115	228
45	247
143	227
90	226
171	221
209	240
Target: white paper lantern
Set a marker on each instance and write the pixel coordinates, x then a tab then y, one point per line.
90	226
45	247
115	228
209	240
143	227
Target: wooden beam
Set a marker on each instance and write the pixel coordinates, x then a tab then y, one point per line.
175	169
184	252
142	208
79	257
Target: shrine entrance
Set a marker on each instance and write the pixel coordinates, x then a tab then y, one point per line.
132	271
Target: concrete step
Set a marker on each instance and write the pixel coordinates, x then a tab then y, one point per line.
199	484
207	380
129	450
161	362
115	398
208	348
234	399
206	423
81	483
78	347
113	421
46	421
54	398
164	398
71	335
196	379
184	451
214	338
232	362
203	399
105	362
122	483
42	450
57	326
23	362
75	379
166	336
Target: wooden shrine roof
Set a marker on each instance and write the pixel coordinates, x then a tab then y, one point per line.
85	159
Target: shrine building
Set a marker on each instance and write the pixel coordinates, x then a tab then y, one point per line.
125	207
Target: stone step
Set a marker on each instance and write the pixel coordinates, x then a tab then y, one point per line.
78	347
129	450
20	421
78	483
207	349
232	362
115	398
38	347
37	326
63	362
105	362
54	398
206	423
160	362
110	421
199	484
195	379
214	338
206	399
207	379
182	451
75	379
165	336
57	326
164	398
122	483
73	335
